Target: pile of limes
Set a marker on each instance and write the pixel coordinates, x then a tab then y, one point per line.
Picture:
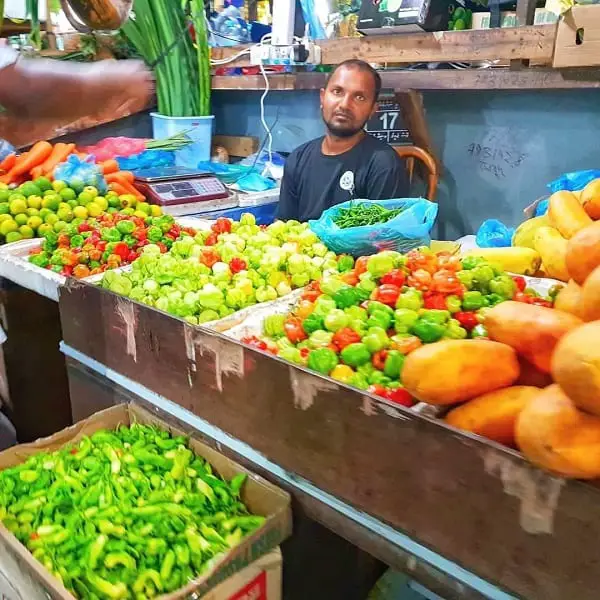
37	207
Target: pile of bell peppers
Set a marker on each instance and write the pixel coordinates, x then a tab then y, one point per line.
129	513
106	242
359	327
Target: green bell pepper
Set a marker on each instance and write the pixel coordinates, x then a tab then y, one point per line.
504	286
356	312
470	262
110	234
322	360
346	297
39	260
493	299
378	378
335	320
482	275
428	331
359	326
411	299
380	318
466	278
125	227
154	234
313	322
454	330
404	319
453	304
393	364
435	316
319	339
358	381
345	263
355	355
324	305
472	301
376	339
373	306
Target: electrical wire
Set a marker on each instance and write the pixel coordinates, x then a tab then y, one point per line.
262	114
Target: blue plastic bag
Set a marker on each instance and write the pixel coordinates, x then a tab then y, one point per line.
573	182
408	230
494	234
78	173
542	208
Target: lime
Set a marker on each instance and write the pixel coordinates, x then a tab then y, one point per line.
94	209
34	222
111	210
33	212
43	183
72	203
140	213
102	202
5	218
49	193
81	212
51	202
77	221
59	226
3	186
127	211
44	212
67	194
77	185
51	218
8	226
21	218
113	201
4	208
4	195
29	189
34	202
85	198
58	185
13	236
155	210
128	200
65	214
18	206
91	190
44	228
144	207
26	232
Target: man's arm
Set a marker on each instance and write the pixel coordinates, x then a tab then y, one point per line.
288	207
387	179
51	88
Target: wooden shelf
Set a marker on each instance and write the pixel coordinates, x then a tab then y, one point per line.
535	43
425	79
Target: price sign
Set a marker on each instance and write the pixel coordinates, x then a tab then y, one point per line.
387	124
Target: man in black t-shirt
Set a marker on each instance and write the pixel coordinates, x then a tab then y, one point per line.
346	163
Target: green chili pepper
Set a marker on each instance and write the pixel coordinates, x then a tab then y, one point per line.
379	318
472	301
355	354
404	319
376	339
312	323
346	297
114	591
453	303
428	331
322	360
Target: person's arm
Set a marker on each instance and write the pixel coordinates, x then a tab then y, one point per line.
387	178
288	207
50	88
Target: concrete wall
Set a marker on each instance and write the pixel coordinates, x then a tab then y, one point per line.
499	148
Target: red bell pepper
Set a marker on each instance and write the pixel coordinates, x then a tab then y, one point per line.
209	257
211	240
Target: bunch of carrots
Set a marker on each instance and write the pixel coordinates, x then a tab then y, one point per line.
43	158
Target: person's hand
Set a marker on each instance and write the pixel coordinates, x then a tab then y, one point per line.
50	88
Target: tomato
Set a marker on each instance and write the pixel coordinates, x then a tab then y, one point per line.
386	294
395	277
221	225
294	330
350	277
360	266
237	264
344	337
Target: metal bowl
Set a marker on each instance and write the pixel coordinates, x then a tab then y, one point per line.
96	15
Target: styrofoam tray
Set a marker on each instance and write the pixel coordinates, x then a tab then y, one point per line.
15	267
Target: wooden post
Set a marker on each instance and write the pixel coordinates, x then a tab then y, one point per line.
413	115
50	35
525	16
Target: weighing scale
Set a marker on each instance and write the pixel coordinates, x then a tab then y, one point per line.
182	191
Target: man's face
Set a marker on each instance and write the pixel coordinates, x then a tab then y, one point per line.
348	101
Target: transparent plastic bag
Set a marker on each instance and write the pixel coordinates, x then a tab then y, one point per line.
79	173
404	232
494	234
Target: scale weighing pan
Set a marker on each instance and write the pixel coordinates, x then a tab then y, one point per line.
168	186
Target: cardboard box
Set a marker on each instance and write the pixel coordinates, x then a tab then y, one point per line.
26	579
481	20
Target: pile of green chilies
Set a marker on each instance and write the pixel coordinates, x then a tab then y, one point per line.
364	213
159	30
129	513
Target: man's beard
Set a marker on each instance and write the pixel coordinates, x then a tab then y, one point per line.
342	131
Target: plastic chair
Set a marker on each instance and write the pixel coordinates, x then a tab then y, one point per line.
409	154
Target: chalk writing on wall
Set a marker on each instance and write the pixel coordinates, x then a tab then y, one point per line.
498	153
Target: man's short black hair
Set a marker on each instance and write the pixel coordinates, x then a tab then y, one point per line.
360	65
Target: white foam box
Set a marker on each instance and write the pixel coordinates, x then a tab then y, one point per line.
481	20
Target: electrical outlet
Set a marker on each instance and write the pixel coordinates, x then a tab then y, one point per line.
306	53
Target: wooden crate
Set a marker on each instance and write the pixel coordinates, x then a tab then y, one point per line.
578	38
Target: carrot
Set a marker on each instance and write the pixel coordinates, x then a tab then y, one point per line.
109	166
36	172
8	163
120	176
59	154
36	156
117	187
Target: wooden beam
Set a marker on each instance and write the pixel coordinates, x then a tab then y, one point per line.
525	16
431	80
535	43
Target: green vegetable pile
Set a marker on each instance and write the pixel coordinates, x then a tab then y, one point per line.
130	513
364	214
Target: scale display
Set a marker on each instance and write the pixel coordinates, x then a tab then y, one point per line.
177	185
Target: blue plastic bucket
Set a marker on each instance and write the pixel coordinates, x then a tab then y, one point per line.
199	129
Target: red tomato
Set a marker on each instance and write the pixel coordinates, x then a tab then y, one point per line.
293	330
468	320
344	337
395	277
386	294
